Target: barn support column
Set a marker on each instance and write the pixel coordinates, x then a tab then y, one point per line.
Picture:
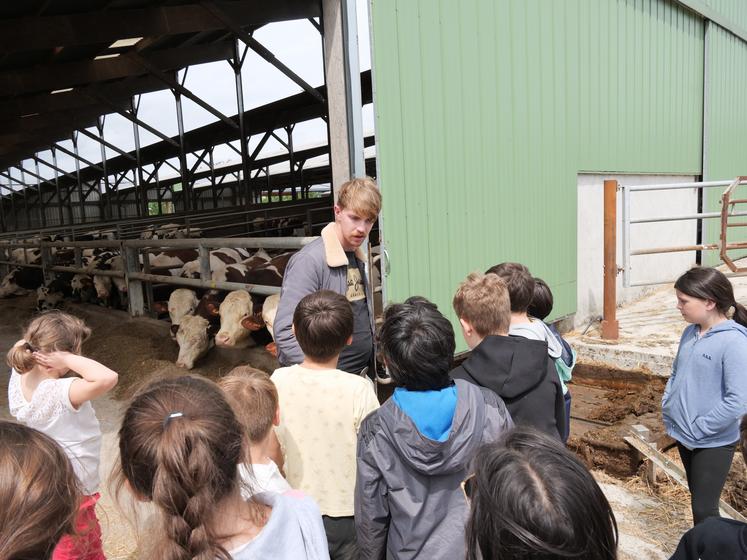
60	212
41	210
186	186
109	193
12	198
237	63
141	190
27	214
3	224
81	200
342	77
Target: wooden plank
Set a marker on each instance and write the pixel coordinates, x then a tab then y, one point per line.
676	472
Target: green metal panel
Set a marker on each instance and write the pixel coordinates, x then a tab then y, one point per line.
733	10
486	110
726	120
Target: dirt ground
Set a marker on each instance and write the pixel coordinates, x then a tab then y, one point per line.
651	518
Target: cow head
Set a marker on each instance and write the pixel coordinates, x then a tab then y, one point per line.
194	337
235	312
182	302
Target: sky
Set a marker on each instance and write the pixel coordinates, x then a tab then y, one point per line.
296	43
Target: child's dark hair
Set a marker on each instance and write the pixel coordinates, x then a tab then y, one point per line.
180	444
39	493
323	322
48	332
519	282
709	283
417	344
542	300
532	499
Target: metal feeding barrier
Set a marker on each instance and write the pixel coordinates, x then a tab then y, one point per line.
136	277
611	187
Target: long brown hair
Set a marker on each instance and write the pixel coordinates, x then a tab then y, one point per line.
180	444
50	331
707	283
39	493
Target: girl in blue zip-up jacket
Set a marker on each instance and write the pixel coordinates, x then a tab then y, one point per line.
707	391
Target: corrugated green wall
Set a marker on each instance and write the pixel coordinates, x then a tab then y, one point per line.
726	122
733	10
486	110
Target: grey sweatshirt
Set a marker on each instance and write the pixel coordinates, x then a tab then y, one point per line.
408	499
293	532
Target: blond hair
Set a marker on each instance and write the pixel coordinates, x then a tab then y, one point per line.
49	332
254	399
362	196
483	301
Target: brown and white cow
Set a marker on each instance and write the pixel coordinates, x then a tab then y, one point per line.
182	302
195	338
236	320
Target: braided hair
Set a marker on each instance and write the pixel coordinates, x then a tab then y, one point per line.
180	445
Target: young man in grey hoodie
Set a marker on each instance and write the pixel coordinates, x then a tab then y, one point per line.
415	451
334	262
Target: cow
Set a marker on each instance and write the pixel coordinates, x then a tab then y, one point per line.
83	289
182	302
20	280
53	293
219	258
103	284
236	323
195	337
32	256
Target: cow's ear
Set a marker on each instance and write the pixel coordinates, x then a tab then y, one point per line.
213	309
251	323
174	329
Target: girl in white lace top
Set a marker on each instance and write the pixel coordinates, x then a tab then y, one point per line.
41	396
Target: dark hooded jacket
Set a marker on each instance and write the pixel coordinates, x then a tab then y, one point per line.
519	371
408	497
716	538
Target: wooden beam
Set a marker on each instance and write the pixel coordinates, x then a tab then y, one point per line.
673	470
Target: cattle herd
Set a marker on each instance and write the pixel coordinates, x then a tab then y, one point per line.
199	319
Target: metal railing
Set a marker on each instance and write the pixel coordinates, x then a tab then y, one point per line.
628	221
611	187
137	278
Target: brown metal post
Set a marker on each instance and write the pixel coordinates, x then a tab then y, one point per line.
610	329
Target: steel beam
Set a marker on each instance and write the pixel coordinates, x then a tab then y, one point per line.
80	158
219	13
183	172
176	86
132	118
79	184
100	140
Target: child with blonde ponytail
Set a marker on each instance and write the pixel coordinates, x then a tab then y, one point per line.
42	396
180	448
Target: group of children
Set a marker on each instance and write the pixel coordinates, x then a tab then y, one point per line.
305	464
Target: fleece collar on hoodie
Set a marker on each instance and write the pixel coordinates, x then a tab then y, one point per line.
333	251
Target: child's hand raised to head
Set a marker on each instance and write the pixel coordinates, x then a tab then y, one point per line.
53	360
